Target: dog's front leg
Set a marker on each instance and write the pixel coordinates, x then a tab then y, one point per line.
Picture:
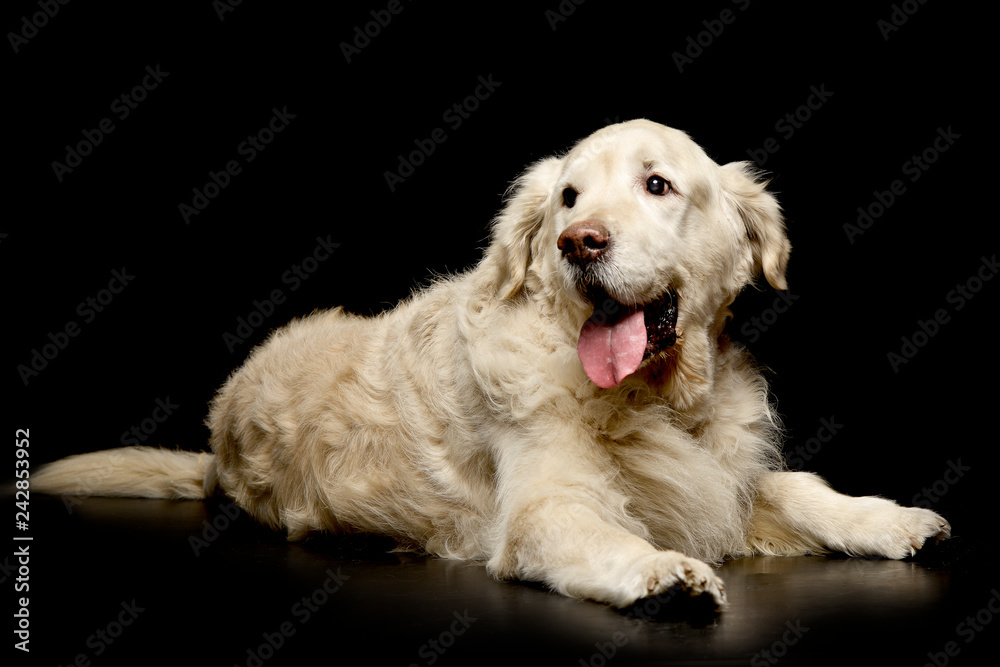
561	523
797	512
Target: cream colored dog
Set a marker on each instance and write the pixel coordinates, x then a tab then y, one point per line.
570	411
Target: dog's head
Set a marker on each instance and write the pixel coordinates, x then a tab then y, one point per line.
641	235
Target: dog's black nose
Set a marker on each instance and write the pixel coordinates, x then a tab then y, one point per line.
584	242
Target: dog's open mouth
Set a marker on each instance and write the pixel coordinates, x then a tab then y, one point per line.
617	338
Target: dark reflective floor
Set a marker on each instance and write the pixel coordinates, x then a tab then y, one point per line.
158	582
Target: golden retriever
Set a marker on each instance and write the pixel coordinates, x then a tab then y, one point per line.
570	411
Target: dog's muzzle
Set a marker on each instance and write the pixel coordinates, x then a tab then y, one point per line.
617	338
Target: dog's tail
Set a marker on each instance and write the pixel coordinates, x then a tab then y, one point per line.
141	472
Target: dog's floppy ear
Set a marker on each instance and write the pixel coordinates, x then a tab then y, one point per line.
761	215
514	227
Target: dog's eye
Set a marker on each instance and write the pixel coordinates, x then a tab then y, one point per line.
569	197
657	185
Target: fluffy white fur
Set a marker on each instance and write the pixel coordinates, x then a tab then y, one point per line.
462	422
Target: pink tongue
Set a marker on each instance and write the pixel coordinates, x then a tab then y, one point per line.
609	353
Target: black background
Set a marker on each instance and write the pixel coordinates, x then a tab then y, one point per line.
323	176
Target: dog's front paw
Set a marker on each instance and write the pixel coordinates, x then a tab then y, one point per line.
665	569
922	524
909	529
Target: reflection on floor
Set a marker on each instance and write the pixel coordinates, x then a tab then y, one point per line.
215	588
